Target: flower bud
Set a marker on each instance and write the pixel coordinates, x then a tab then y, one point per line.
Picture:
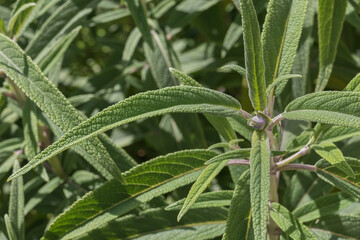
257	122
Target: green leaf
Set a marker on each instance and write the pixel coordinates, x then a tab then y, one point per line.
31	137
198	224
238	153
221	124
346	226
331	107
138	13
279	81
3	29
289	224
238	225
259	182
280	37
110	16
205	200
16	205
236	68
24	72
354	84
48	59
144	182
334	156
338	179
323	206
131	43
17	19
302	58
9	228
200	185
232	36
64	19
331	16
254	62
42	193
183	99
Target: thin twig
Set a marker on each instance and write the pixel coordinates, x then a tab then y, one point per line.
245	114
295	166
303	151
238	162
275	121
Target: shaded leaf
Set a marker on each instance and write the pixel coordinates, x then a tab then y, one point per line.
238	225
331	16
288	223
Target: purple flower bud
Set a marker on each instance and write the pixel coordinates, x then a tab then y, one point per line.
257	122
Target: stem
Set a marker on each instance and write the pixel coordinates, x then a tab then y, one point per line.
295	166
238	162
275	121
303	151
245	114
273	194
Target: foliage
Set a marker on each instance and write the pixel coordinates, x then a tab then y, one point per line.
110	110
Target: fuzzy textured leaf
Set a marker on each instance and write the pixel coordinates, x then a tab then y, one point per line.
183	99
205	200
144	182
337	178
259	182
331	107
331	17
238	225
198	224
24	72
254	62
289	224
323	206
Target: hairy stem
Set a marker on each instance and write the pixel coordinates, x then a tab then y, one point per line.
296	166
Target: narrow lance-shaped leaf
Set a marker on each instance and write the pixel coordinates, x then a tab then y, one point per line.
138	13
238	153
302	58
130	45
16	21
331	17
64	19
339	226
24	72
232	35
9	228
42	193
221	124
281	35
323	206
238	225
279	81
200	185
289	224
331	153
254	63
337	178
31	137
205	200
259	182
336	108
16	205
183	99
198	224
144	182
